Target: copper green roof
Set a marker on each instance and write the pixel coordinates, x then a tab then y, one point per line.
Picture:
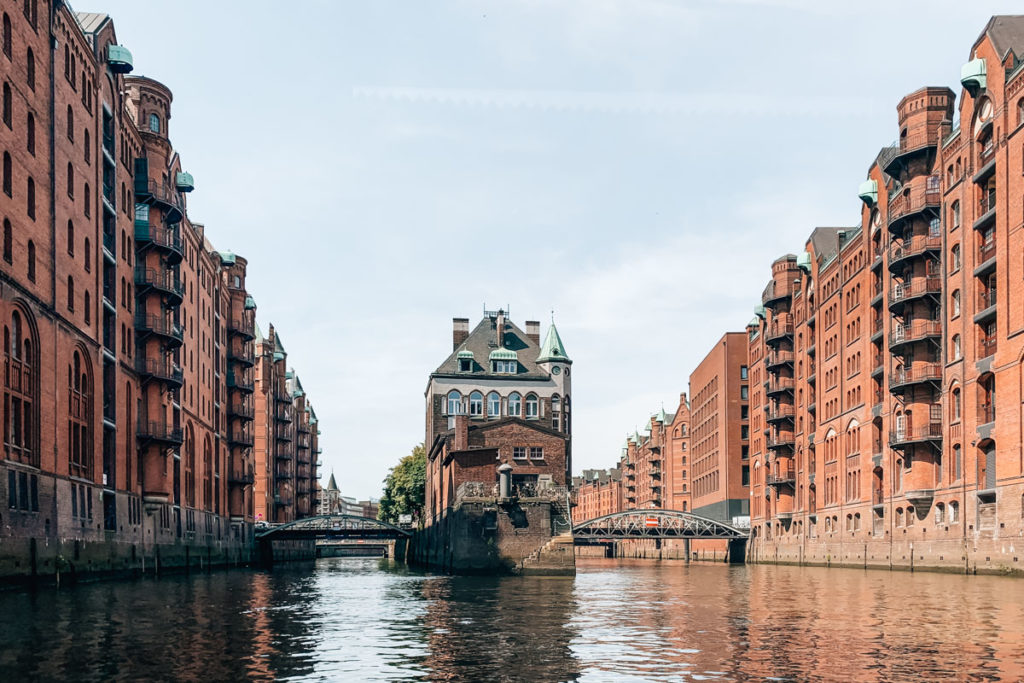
553	349
227	257
465	353
662	417
502	354
250	303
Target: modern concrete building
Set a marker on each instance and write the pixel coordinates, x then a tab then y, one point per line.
892	349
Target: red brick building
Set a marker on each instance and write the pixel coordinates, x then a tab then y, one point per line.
127	338
899	341
500	397
597	493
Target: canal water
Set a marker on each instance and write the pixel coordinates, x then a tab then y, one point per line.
617	620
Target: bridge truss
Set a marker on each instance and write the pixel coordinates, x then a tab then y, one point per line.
656	523
334	526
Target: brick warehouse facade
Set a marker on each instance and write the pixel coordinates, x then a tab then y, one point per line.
127	339
888	431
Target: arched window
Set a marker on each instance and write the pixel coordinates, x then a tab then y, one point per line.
190	467
30	69
71	238
956	406
476	404
532	410
8	242
88	304
8	115
31	261
955	350
88	256
88	200
71	293
19	385
71	180
128	430
556	413
493	404
154	123
899	517
30	134
954	512
7	174
79	410
88	147
940	514
7	36
955	302
207	475
454	403
514	404
30	198
71	124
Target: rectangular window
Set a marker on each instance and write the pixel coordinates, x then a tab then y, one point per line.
74	500
23	491
744	392
465	365
34	492
12	489
142	212
743	372
519	452
536	453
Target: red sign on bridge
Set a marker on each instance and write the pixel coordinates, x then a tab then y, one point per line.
650	522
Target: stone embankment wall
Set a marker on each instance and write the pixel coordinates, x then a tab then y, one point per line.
700	550
482	536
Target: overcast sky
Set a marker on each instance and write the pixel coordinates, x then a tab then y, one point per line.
632	165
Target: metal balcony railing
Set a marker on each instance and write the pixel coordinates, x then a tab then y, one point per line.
163	281
915	331
915	198
149	430
165	370
986	347
986	299
986	251
914	246
986	413
777	384
986	204
909	435
241	383
918	286
240	409
153	324
781	477
778	331
929	372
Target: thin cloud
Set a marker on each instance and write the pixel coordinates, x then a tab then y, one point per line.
658	103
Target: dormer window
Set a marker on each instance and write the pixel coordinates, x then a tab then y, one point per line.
504	361
465	361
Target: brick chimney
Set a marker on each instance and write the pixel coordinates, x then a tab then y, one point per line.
500	325
533	331
460	331
461	433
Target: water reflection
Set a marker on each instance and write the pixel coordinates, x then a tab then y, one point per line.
617	620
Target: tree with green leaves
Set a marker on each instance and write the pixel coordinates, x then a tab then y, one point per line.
405	488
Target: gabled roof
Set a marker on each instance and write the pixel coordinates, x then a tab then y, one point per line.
331	484
483	340
91	22
553	349
1006	32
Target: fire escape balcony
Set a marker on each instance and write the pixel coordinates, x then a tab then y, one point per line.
165	240
904	438
283	433
243	327
303	428
918	330
159	433
898	156
878	364
159	326
986	211
986	258
165	371
903	379
783	477
918	245
241	410
921	196
282	414
283	455
917	288
776	359
240	437
244	356
163	197
778	385
986	160
243	478
164	283
986	306
781	440
781	413
778	331
282	397
282	499
243	384
776	292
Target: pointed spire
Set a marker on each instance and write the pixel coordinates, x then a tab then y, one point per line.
661	416
553	349
331	484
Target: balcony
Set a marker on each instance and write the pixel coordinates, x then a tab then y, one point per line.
303	457
243	384
877	328
986	413
877	496
903	378
159	433
147	325
986	159
283	415
776	292
776	358
918	330
986	347
902	438
781	440
781	413
778	331
166	240
241	478
282	499
243	356
922	195
986	258
303	428
908	147
777	385
240	437
986	306
282	433
917	288
119	59
241	410
164	282
244	327
877	364
163	197
783	477
986	211
918	245
162	370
